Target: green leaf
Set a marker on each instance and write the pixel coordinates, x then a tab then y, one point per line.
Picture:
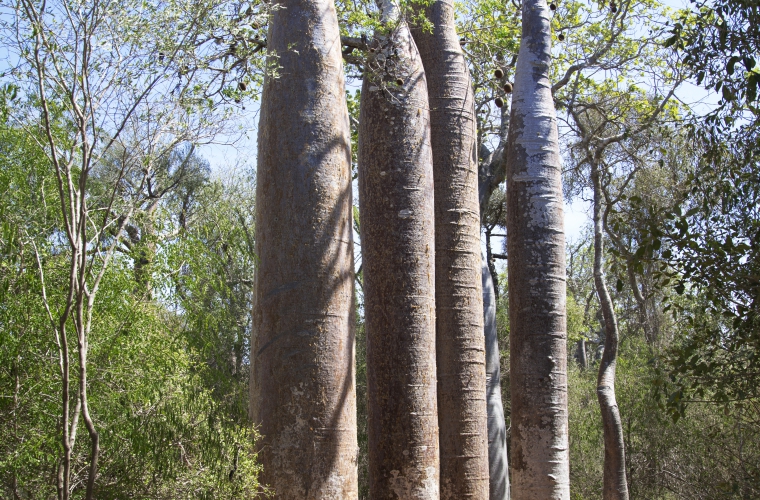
728	95
670	41
731	63
752	83
692	211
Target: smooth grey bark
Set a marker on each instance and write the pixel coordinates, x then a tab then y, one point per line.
492	172
615	484
580	354
498	466
396	199
302	351
460	346
536	273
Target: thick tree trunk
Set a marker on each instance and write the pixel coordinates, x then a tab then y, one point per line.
615	485
536	272
498	467
398	257
302	353
460	346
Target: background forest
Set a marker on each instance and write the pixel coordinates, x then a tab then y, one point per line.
127	260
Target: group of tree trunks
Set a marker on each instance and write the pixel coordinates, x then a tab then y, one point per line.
436	424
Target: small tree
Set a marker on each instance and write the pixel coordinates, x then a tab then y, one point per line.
91	69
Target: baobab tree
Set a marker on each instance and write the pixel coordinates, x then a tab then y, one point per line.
536	271
398	258
460	344
302	353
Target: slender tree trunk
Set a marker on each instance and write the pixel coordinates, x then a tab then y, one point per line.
491	264
460	346
498	467
536	272
398	256
82	320
650	333
615	485
302	352
64	473
580	354
16	390
492	173
89	424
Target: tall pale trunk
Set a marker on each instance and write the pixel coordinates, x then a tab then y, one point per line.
498	467
460	345
536	272
492	173
615	484
398	256
302	353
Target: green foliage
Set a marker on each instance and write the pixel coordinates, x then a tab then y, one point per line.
361	409
720	42
353	101
502	332
708	236
172	423
169	345
26	360
576	324
704	240
208	273
165	432
708	453
99	172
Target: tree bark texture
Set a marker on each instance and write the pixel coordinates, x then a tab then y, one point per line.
460	345
398	258
615	484
536	271
498	467
302	352
492	173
